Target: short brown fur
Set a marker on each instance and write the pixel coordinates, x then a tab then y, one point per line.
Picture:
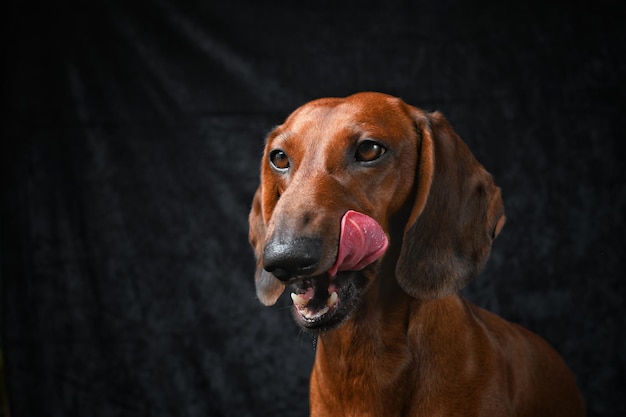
413	346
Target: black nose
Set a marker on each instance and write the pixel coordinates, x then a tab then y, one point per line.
287	259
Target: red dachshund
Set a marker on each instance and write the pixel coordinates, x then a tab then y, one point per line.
375	214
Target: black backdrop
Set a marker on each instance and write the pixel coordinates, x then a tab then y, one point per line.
132	134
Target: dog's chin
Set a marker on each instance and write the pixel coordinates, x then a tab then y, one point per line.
323	303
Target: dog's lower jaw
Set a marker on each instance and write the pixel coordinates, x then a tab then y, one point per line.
309	312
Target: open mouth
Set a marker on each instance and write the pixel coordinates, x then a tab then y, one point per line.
323	302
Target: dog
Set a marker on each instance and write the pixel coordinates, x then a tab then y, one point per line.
375	214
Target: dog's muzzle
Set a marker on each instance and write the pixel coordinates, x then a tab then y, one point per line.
326	299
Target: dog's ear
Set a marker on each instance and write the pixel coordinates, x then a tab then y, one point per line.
268	288
457	213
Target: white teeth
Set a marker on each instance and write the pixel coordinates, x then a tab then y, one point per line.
298	300
301	302
332	300
313	315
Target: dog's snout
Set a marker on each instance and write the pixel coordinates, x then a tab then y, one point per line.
288	259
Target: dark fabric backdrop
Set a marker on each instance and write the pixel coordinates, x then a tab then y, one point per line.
132	135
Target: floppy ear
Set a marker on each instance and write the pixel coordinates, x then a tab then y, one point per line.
268	288
457	213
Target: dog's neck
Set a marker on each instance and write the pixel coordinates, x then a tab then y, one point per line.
373	356
368	352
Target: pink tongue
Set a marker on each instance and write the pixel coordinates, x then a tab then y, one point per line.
361	242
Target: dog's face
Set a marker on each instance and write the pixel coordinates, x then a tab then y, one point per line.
332	177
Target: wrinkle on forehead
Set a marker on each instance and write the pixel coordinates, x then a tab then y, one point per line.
318	121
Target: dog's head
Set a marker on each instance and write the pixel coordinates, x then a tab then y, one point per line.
348	183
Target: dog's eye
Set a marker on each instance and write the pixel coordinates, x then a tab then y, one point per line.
279	159
369	150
